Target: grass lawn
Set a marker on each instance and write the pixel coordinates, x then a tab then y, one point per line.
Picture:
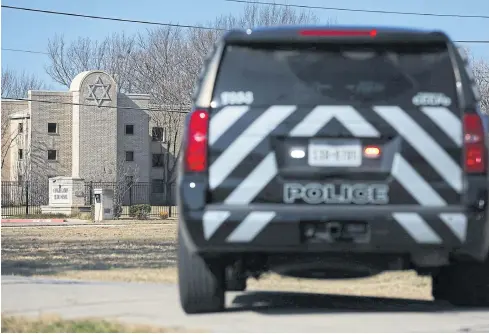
54	324
146	253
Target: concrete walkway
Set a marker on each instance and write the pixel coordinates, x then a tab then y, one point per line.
255	311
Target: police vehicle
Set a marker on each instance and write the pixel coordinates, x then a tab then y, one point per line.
333	152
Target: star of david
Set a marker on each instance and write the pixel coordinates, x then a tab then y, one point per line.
92	92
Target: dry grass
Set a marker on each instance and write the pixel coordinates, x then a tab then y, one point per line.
56	250
146	253
54	324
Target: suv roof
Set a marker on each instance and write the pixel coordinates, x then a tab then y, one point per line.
332	27
291	33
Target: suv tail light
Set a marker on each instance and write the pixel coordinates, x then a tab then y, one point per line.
196	148
474	144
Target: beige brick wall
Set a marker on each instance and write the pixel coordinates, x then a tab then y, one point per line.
9	107
139	142
19	168
173	128
98	131
58	111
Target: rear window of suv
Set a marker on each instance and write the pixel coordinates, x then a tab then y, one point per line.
328	74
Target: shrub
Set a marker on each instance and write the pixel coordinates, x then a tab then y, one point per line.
85	216
92	212
163	215
140	211
117	211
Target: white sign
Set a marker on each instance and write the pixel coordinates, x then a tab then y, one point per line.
60	194
317	193
338	153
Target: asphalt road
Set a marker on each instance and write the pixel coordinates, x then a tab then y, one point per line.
254	311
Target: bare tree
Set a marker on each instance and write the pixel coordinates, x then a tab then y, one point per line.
16	85
127	176
160	66
161	69
253	15
481	74
26	165
8	137
171	121
113	55
480	69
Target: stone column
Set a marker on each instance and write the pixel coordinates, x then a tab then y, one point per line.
94	126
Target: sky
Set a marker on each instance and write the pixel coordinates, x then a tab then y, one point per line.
31	31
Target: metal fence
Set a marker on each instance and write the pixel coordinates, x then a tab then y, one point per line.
23	198
26	198
161	197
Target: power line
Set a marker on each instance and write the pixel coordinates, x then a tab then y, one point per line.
25	51
472	42
360	10
110	18
181	111
210	28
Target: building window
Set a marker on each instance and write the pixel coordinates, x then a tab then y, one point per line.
158	160
21	154
21	128
52	155
52	128
158	186
158	134
129	155
129	129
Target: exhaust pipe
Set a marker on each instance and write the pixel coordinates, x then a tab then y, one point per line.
334	230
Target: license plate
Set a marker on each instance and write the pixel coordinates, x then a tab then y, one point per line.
334	153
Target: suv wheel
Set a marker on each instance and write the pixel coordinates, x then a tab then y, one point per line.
463	284
200	282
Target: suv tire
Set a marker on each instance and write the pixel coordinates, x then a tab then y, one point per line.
463	284
200	282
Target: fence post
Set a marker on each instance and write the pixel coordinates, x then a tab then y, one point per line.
91	192
26	198
168	195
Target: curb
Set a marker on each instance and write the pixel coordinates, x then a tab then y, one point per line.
21	221
12	222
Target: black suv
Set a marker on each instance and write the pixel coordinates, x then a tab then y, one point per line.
333	152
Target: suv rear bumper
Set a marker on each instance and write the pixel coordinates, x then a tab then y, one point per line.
453	231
